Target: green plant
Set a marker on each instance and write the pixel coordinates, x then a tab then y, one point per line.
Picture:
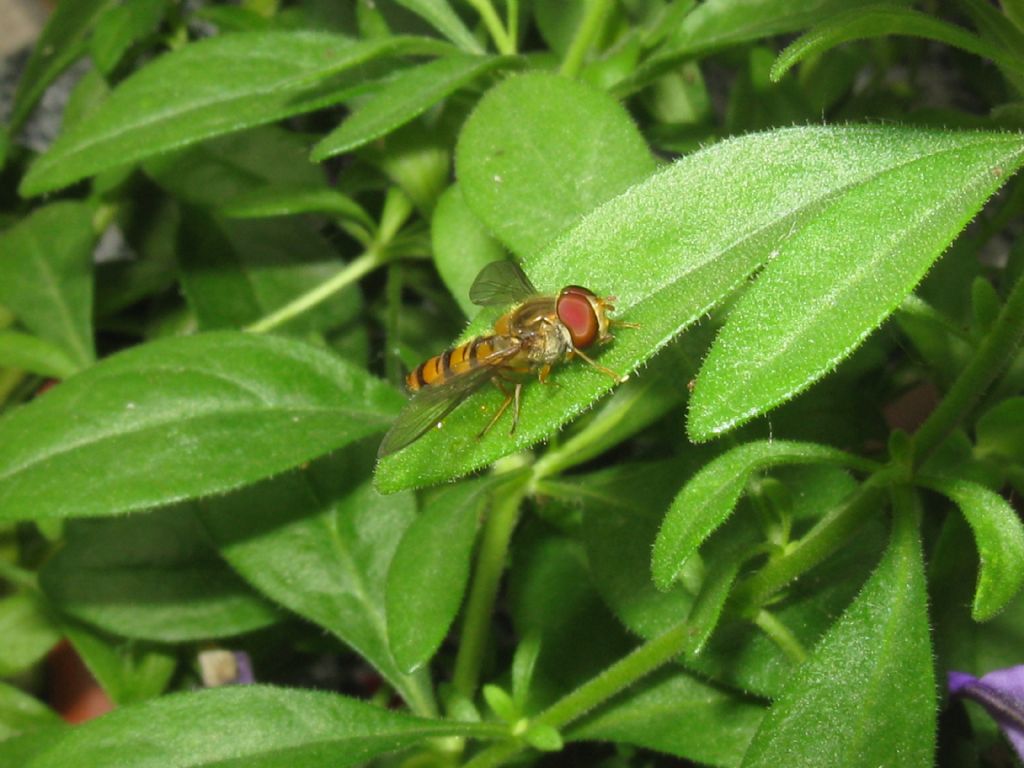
766	186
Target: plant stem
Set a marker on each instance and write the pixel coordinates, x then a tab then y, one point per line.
639	663
490	564
590	27
361	265
781	636
502	40
994	354
831	532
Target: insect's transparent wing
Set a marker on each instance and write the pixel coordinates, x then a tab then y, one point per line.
430	405
501	283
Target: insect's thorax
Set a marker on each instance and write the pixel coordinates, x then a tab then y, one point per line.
544	339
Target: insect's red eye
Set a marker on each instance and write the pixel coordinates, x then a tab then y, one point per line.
576	311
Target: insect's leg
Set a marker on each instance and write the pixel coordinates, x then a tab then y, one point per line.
515	411
502	409
601	368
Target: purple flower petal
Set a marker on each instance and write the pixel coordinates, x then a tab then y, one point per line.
1001	693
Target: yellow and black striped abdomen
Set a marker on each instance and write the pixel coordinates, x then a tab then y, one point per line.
440	369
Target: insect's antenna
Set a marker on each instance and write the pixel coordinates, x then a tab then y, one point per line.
601	368
622	324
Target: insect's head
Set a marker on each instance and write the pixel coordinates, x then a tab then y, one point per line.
584	314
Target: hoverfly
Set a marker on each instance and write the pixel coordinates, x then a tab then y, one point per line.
530	338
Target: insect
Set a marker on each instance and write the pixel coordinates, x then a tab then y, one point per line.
538	332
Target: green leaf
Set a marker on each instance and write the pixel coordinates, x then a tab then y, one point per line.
693	233
461	246
882	21
867	694
403	97
718	24
234	82
34	355
840	275
439	14
234	273
152	577
46	276
28	632
251	725
501	703
621	510
217	172
281	200
128	670
428	575
1000	430
120	28
541	150
523	664
999	536
320	542
543	737
710	496
21	713
181	418
61	43
678	714
551	597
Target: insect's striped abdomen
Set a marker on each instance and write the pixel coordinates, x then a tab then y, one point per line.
452	362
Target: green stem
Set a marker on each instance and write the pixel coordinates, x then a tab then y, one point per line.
590	27
828	536
366	262
781	636
502	40
645	659
995	352
490	564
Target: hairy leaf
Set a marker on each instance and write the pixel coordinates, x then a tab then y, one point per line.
867	694
840	275
999	536
461	246
233	82
539	151
181	418
882	21
320	542
46	276
696	231
428	575
403	97
152	577
254	725
710	496
61	43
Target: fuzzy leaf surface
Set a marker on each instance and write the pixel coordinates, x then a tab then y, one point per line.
251	725
693	233
710	496
403	97
999	536
233	82
866	696
461	246
46	276
842	274
428	575
320	541
152	577
539	151
181	418
61	42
